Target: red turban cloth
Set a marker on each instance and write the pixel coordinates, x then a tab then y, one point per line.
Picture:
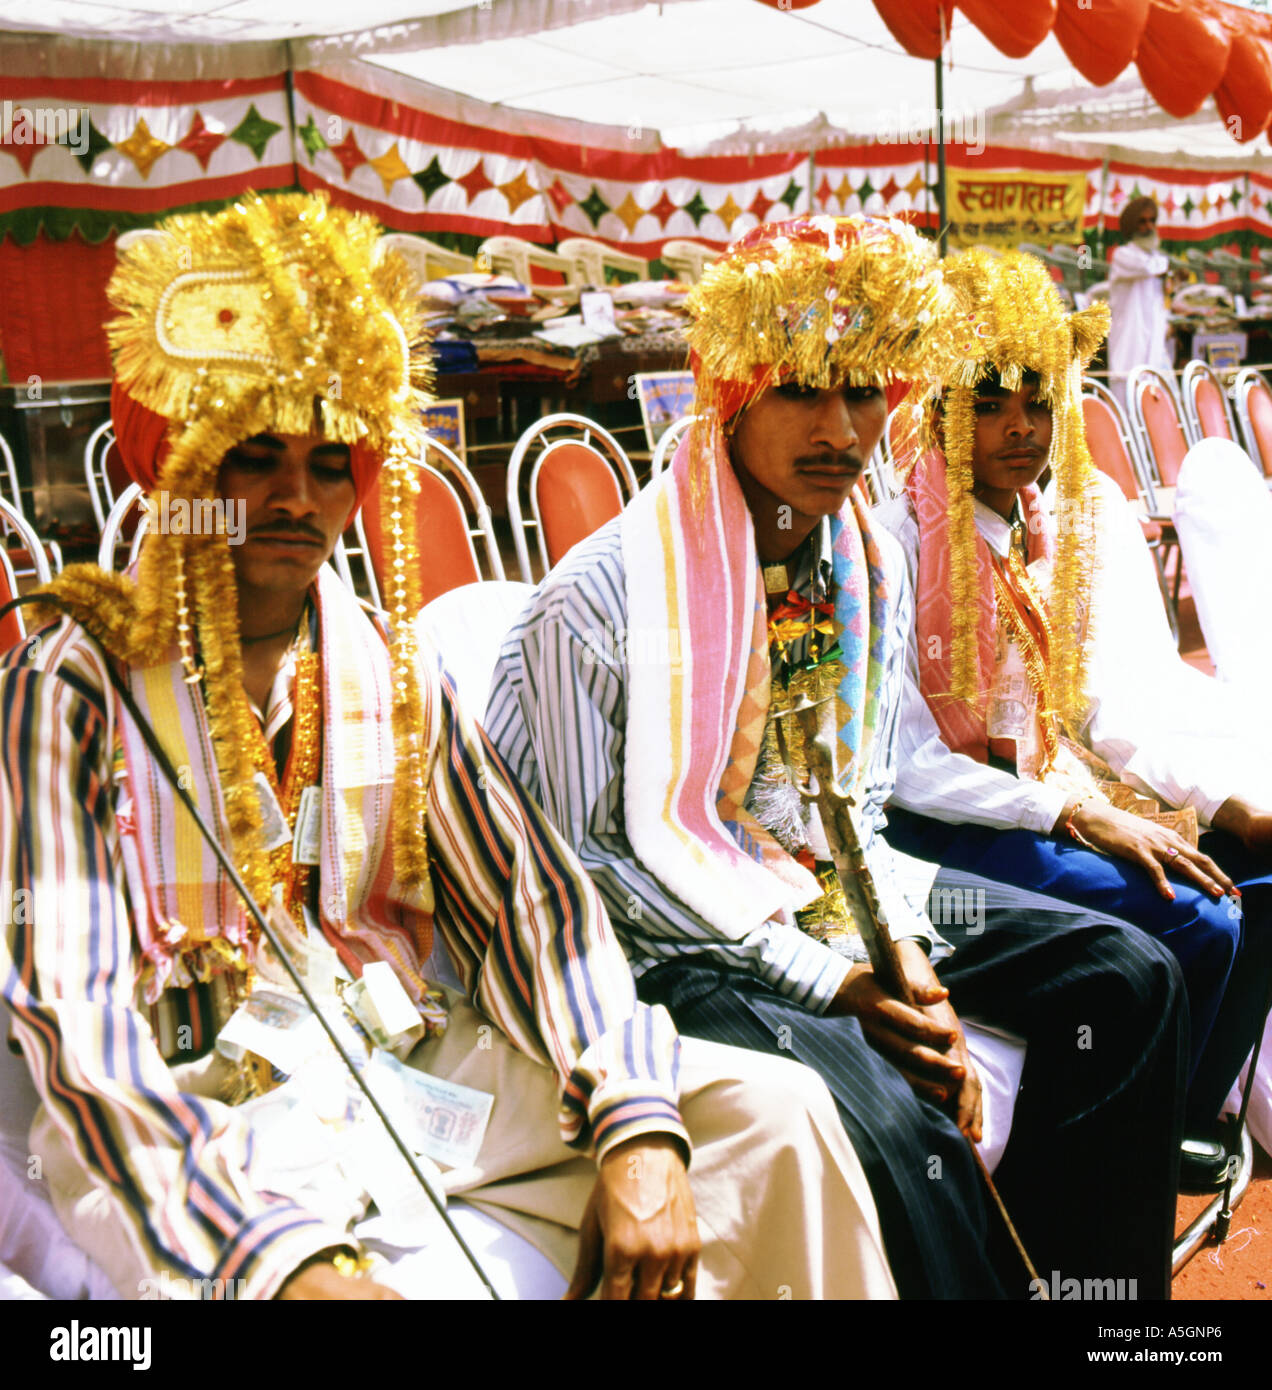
141	436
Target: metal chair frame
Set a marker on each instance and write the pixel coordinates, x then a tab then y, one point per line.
11	519
1138	381
578	429
666	447
8	578
1196	372
49	551
472	504
95	451
879	476
1160	549
1250	379
115	518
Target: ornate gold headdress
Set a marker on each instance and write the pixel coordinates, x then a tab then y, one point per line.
820	301
271	315
1018	325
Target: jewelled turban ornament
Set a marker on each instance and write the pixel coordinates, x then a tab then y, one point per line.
822	301
277	315
1016	323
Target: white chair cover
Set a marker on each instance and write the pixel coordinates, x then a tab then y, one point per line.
999	1058
1223	514
1206	724
467	626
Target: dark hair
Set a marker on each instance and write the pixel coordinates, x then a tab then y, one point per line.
994	379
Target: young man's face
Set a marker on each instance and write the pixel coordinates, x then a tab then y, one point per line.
1146	223
806	447
297	492
1013	438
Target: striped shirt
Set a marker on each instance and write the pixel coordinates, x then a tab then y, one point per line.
557	714
524	929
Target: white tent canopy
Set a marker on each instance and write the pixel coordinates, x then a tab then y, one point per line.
718	74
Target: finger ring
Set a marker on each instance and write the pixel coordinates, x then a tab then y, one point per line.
674	1291
1171	851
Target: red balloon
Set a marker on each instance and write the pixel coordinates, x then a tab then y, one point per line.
1100	37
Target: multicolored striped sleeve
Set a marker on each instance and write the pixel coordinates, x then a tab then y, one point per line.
177	1166
537	950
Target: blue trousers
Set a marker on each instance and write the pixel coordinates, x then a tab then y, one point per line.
1089	1175
1224	947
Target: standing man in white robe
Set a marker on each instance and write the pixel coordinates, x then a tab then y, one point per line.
1137	297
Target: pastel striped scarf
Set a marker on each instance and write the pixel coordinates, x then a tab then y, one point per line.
962	726
698	690
184	905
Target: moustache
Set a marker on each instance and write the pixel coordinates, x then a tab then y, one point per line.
287	528
847	462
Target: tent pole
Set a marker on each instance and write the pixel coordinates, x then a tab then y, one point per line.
812	178
940	152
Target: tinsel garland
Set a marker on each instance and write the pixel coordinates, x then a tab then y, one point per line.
960	433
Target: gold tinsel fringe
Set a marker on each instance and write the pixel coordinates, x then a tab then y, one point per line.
960	429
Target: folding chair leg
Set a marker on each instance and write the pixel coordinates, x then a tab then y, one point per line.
1216	1215
1170	605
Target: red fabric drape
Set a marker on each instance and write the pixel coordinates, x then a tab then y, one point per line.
1244	97
1186	50
1015	29
1101	41
52	307
1183	53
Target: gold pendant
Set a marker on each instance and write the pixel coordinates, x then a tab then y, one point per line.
775	581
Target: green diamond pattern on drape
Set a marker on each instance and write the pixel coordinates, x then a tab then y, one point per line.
97	142
431	179
312	138
255	131
595	206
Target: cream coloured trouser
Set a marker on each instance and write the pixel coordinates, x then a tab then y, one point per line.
783	1207
784	1210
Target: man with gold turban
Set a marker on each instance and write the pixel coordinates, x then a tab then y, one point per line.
642	697
1012	766
268	363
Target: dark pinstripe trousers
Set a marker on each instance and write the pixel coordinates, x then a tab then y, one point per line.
1090	1173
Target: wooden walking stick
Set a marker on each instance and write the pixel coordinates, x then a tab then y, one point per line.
858	885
